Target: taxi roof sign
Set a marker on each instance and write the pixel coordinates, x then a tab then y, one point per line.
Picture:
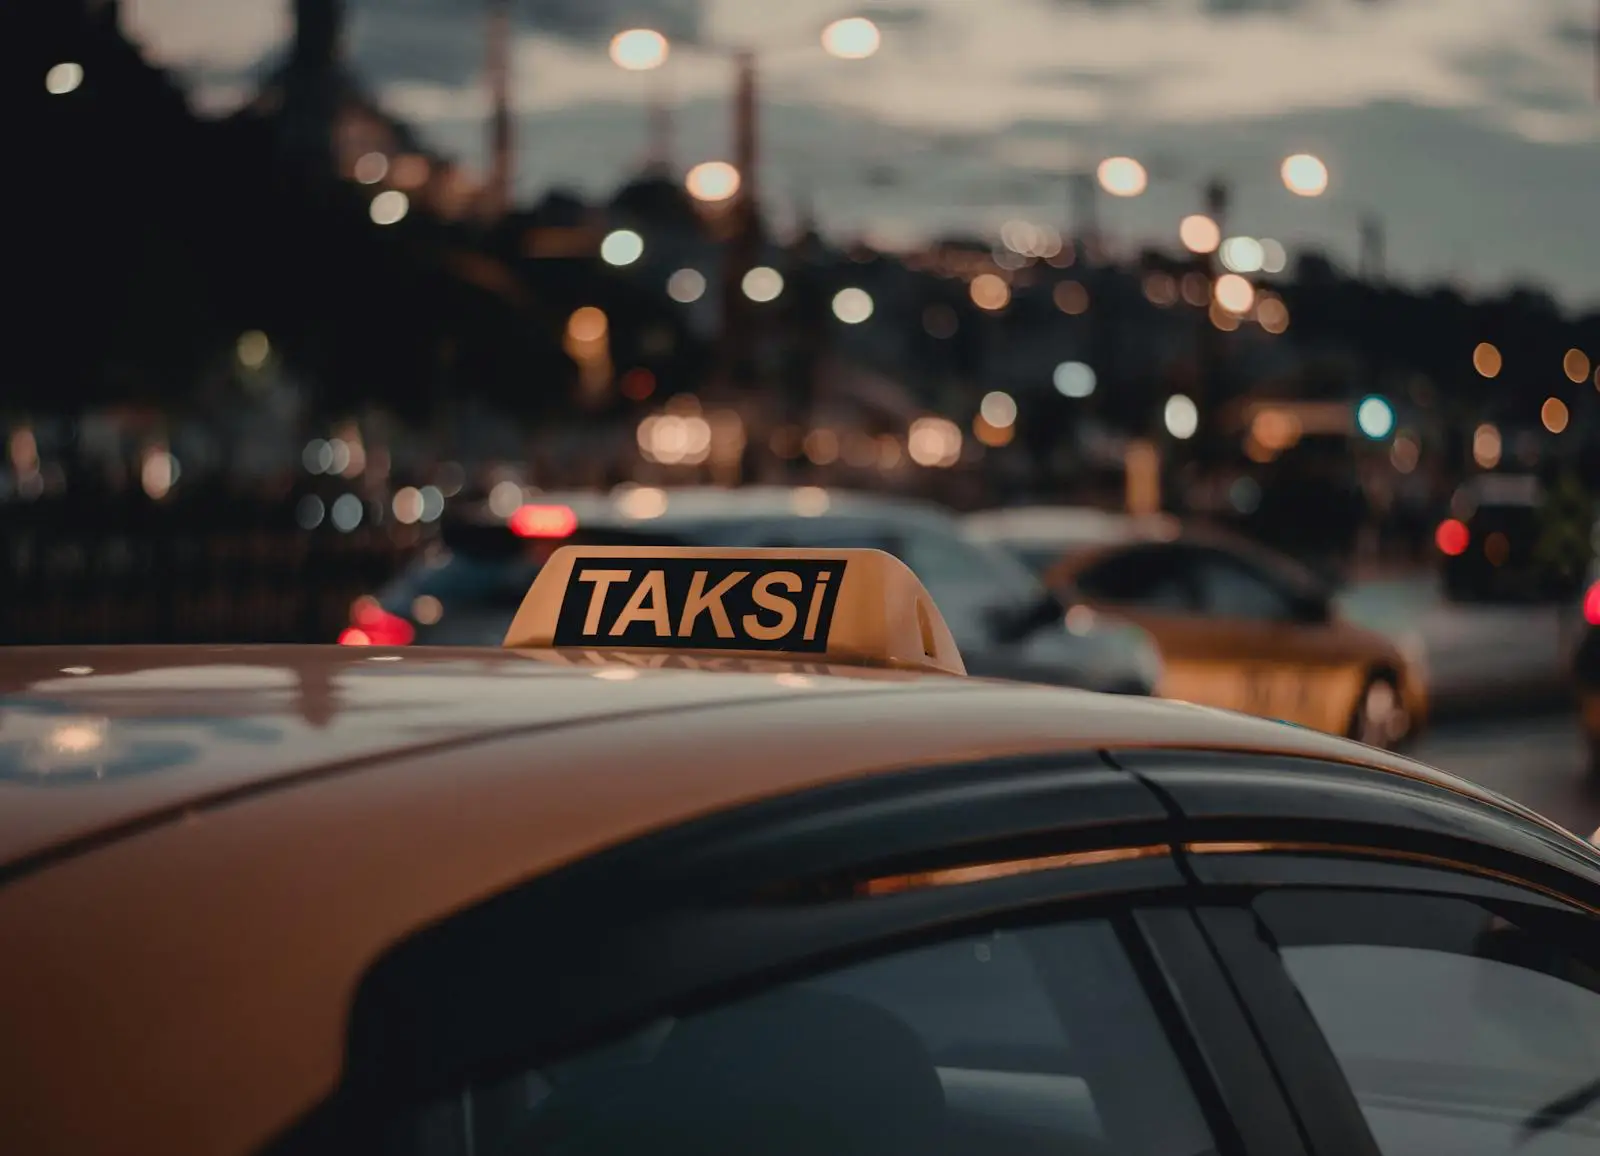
849	607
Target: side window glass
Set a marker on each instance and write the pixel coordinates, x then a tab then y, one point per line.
1035	1042
1153	578
1459	1030
1232	589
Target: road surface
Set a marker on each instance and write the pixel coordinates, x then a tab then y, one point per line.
1538	760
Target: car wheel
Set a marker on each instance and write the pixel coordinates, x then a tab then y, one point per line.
1380	718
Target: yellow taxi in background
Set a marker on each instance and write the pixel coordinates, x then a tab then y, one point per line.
1239	627
721	854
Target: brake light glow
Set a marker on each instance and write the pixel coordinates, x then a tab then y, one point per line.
1452	537
374	626
543	522
1591	605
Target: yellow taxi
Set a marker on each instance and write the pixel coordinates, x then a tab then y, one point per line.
1239	627
722	853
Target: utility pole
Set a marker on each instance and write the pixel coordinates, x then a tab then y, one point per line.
744	227
497	191
1372	248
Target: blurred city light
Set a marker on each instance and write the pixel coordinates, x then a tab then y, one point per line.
1234	293
587	324
1160	289
1070	297
1486	360
853	38
763	283
1073	379
934	442
1243	254
999	409
1375	417
371	168
821	446
940	322
253	348
1452	537
1305	175
390	207
1199	233
993	436
1272	314
712	181
432	503
346	513
1576	365
1274	259
1181	417
810	501
642	502
317	457
1222	317
63	78
675	439
1196	288
686	286
990	291
159	473
1122	176
1405	453
309	512
639	49
621	247
407	505
852	306
1486	446
1553	413
505	498
427	609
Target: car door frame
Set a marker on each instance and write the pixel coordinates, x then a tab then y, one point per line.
1055	837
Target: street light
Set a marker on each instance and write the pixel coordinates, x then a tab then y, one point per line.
712	181
639	49
853	38
1305	175
1123	176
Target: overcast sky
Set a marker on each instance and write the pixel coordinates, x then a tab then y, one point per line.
1472	127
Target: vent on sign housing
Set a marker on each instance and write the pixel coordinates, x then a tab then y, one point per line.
925	626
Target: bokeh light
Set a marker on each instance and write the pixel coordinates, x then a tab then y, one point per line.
763	284
853	38
686	286
1234	293
934	442
1576	365
1199	233
253	349
990	291
621	247
1122	176
1272	314
1073	379
1305	175
1181	416
852	305
1274	258
712	181
371	168
1553	413
1375	418
1070	297
63	78
999	409
1243	254
639	49
1486	446
407	505
1486	360
390	207
587	324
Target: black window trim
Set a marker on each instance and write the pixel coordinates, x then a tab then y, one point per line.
722	943
1179	550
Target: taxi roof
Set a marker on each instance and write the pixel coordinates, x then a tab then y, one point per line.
216	843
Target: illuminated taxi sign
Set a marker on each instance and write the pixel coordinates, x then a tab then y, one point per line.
851	607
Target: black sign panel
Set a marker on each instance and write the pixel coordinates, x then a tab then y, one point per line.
701	603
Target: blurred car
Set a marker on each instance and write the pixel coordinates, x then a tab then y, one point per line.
1007	623
1487	544
604	892
1239	627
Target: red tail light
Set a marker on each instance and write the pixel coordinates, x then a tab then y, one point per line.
375	626
1591	605
543	522
1452	537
